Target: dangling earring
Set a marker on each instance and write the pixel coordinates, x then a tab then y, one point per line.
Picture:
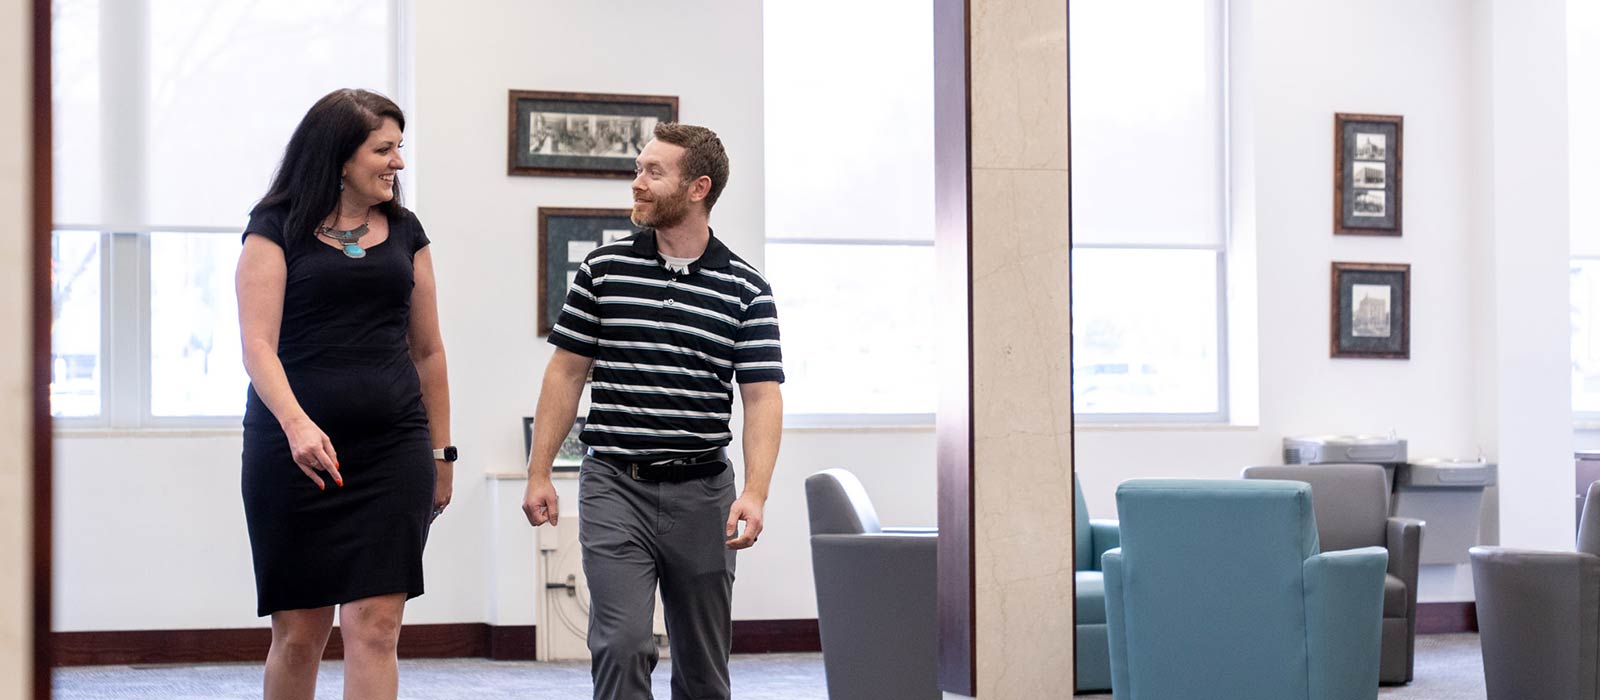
341	187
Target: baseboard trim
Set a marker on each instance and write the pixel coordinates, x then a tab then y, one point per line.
775	636
1447	618
466	640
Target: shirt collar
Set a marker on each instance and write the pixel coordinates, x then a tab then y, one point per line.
716	256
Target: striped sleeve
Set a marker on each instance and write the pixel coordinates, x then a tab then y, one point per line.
577	329
757	353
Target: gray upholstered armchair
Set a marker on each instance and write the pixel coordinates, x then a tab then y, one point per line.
1539	616
1351	502
876	596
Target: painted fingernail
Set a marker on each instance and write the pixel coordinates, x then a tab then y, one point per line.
321	487
340	482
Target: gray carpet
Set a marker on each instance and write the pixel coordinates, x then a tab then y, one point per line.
1449	667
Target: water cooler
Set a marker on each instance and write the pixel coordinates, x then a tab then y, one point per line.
1446	494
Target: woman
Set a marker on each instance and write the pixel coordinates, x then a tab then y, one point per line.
348	397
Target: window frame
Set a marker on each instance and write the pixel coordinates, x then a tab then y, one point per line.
850	419
1583	420
1223	412
1225	222
127	372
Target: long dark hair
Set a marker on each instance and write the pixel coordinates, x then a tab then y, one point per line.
307	180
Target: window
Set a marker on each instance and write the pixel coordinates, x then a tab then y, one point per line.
170	117
1149	210
849	208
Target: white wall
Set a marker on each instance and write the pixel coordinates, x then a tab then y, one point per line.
16	387
1301	64
1485	207
150	532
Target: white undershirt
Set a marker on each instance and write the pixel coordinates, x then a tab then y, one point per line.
678	265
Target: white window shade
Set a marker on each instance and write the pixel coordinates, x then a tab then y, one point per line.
1583	103
849	135
206	94
1147	122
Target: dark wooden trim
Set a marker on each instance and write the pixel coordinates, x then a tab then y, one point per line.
1447	618
511	129
513	642
952	103
545	325
250	645
1072	414
42	222
1341	170
775	636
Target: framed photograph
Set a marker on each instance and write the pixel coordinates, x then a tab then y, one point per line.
1371	311
566	236
574	134
1366	174
569	457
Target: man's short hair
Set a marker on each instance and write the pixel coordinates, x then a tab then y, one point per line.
702	155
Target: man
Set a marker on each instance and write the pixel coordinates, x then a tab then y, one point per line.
667	320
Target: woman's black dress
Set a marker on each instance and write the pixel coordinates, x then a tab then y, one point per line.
344	347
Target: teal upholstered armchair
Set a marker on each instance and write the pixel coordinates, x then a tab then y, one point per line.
1093	538
1219	591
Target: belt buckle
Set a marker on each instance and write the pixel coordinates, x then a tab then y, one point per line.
633	470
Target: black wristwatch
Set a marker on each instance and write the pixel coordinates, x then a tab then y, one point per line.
447	454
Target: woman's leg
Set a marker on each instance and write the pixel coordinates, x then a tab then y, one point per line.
371	631
298	638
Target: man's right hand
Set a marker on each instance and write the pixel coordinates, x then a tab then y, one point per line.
540	502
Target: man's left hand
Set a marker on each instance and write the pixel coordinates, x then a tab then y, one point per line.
748	509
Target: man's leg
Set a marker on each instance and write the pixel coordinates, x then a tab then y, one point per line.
615	528
697	586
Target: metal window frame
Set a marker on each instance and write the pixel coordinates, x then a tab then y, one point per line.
850	420
125	310
1223	413
1581	418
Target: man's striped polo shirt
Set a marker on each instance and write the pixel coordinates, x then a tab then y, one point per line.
667	346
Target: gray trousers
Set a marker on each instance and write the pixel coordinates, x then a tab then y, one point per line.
638	533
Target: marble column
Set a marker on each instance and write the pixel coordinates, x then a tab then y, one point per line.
17	224
1005	426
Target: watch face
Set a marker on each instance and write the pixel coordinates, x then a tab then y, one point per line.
450	454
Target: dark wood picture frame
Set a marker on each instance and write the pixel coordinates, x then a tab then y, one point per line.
1363	206
638	115
569	224
1359	328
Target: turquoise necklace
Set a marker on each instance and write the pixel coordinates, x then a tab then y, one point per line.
350	240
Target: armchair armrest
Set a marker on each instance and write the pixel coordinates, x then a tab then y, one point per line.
1537	616
1404	542
1116	627
877	612
1106	535
1344	621
910	531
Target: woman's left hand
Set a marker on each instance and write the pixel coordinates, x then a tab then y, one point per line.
442	486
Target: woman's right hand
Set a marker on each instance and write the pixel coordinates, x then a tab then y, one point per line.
313	451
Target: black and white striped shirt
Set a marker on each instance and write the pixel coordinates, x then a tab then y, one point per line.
667	345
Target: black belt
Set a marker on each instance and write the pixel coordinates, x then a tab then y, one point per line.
654	468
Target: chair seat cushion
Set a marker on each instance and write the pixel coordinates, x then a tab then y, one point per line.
1090	607
1394	596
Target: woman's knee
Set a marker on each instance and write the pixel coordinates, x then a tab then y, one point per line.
372	627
